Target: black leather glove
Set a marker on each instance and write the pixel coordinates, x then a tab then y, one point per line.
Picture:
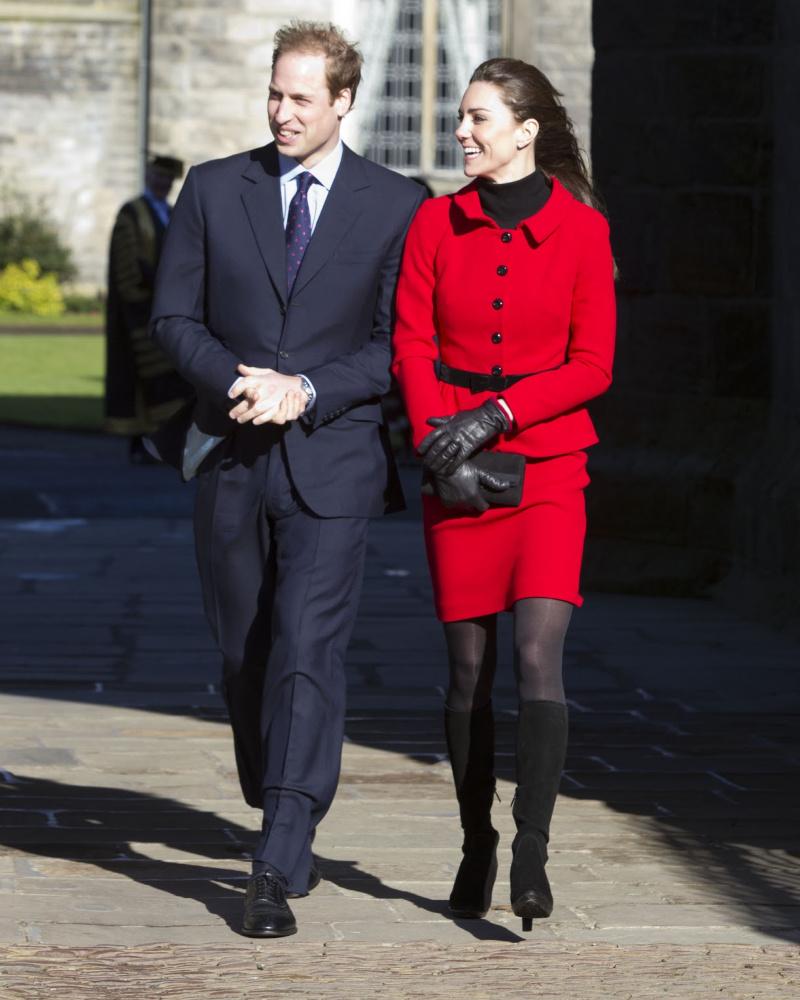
462	487
455	438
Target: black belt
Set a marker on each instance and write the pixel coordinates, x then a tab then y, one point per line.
477	382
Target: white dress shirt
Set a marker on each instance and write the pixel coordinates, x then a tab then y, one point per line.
324	174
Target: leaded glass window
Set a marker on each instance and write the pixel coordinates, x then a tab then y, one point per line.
408	119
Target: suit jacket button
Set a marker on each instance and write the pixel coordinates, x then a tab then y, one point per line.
497	304
506	237
497	370
283	355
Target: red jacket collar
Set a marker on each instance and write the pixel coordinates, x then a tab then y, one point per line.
540	225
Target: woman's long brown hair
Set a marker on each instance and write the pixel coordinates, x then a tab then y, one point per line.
528	93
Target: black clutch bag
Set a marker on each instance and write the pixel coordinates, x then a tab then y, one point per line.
505	464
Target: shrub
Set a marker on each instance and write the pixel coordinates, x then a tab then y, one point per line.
26	233
23	288
76	302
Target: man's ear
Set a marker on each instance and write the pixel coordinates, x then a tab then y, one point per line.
343	102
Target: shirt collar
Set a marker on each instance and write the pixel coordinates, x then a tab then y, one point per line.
323	172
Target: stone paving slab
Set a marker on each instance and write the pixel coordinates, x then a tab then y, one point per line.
124	843
339	969
117	854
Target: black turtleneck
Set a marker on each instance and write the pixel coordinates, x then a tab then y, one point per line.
508	204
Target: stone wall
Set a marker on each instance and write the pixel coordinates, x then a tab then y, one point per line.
766	565
556	36
70	86
69	131
685	118
70	90
210	69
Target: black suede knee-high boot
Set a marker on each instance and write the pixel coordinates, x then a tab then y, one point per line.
470	743
541	750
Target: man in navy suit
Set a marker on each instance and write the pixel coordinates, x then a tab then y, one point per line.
274	299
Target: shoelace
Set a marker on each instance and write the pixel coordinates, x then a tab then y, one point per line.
267	888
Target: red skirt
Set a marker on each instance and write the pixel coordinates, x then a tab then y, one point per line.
483	563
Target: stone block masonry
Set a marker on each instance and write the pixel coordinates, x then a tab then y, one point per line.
70	127
210	71
694	136
70	88
556	36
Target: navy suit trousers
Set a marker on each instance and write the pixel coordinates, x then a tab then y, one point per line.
281	589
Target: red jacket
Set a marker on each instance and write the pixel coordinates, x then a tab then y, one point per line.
528	300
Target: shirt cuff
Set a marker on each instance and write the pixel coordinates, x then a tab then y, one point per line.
506	410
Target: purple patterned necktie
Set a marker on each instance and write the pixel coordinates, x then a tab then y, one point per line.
298	228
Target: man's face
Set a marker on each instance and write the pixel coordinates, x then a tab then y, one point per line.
159	181
302	118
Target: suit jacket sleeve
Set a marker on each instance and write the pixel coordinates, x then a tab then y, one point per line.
586	372
363	374
177	321
415	346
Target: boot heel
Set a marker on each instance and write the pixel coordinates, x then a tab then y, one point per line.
541	746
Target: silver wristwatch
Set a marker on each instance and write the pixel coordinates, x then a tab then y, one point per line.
308	389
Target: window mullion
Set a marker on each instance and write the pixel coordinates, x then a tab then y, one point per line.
430	69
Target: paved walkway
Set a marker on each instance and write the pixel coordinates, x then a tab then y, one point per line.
123	842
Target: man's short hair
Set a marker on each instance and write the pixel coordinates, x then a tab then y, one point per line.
343	60
169	164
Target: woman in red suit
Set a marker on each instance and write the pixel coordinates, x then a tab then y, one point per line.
505	329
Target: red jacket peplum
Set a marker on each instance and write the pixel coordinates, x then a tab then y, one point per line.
535	299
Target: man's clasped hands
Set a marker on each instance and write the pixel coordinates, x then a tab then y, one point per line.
266	396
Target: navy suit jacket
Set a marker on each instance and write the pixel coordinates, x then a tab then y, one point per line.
221	299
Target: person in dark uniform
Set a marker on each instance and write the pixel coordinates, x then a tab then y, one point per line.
142	387
505	328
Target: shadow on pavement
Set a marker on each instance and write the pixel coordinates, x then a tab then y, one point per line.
349	875
97	826
712	795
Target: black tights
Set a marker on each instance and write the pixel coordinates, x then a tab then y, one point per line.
540	627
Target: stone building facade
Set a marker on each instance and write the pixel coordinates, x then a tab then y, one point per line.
695	142
69	131
696	148
86	85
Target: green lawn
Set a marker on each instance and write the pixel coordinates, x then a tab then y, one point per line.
67	321
52	380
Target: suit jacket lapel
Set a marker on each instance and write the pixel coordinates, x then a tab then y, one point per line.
339	213
262	202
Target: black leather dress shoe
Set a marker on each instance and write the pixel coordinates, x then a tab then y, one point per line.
314	879
266	912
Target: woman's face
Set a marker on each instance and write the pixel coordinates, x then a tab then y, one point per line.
494	143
